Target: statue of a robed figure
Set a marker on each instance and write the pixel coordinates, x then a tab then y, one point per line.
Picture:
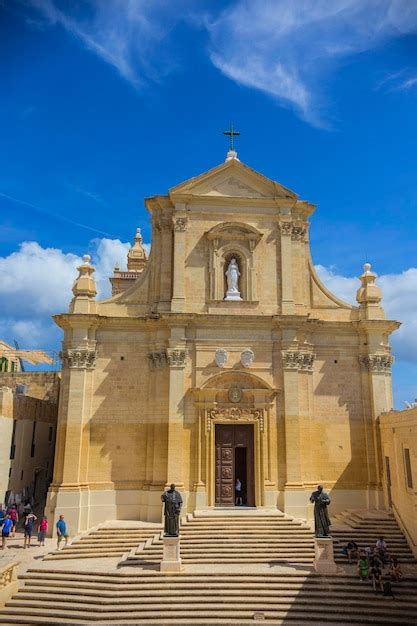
321	517
172	509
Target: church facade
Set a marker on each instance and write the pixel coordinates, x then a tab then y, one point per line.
225	359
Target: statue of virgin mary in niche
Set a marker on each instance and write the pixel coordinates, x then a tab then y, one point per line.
232	275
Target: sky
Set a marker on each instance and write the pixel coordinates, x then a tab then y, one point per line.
105	103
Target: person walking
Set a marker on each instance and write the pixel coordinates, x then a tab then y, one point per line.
5	531
61	530
238	492
42	530
28	528
14	516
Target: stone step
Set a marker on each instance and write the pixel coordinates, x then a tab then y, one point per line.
308	578
176	614
113	605
98	596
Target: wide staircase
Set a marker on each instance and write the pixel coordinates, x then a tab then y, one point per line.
365	527
236	536
80	597
242	536
241	566
106	541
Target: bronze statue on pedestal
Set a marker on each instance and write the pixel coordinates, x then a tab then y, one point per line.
172	509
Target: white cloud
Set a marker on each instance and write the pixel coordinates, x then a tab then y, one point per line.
399	301
289	48
36	282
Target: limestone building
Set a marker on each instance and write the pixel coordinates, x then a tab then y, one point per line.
227	358
28	418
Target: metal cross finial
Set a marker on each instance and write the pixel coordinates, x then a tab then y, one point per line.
232	133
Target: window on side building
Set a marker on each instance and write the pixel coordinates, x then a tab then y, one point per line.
32	447
407	467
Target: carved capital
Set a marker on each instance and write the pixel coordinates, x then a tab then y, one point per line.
79	359
377	362
297	360
157	359
298	232
235	414
286	228
180	224
176	358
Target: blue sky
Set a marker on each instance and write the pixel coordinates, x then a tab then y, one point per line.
105	103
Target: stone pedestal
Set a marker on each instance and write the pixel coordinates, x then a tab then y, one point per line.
171	560
323	559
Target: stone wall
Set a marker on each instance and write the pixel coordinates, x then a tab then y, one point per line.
398	434
39	384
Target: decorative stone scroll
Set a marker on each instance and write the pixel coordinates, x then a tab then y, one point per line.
180	224
296	360
377	362
79	359
235	414
170	357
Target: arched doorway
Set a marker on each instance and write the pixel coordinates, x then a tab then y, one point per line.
233	412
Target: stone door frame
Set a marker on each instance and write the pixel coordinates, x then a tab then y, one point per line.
209	413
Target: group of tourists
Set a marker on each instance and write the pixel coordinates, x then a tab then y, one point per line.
375	564
9	519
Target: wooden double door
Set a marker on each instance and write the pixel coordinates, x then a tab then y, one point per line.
234	460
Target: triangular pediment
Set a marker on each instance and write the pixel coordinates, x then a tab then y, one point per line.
232	179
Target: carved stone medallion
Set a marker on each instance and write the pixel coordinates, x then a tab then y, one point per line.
246	358
235	394
221	356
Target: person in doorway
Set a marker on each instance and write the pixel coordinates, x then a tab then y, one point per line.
238	492
61	531
43	529
5	531
28	528
14	516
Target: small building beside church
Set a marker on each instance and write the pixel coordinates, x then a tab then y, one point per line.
225	358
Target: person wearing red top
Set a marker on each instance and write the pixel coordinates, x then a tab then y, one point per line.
43	529
14	516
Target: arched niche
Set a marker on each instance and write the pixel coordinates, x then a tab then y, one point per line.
228	240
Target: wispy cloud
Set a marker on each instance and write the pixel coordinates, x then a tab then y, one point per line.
290	49
403	80
91	195
52	214
127	34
